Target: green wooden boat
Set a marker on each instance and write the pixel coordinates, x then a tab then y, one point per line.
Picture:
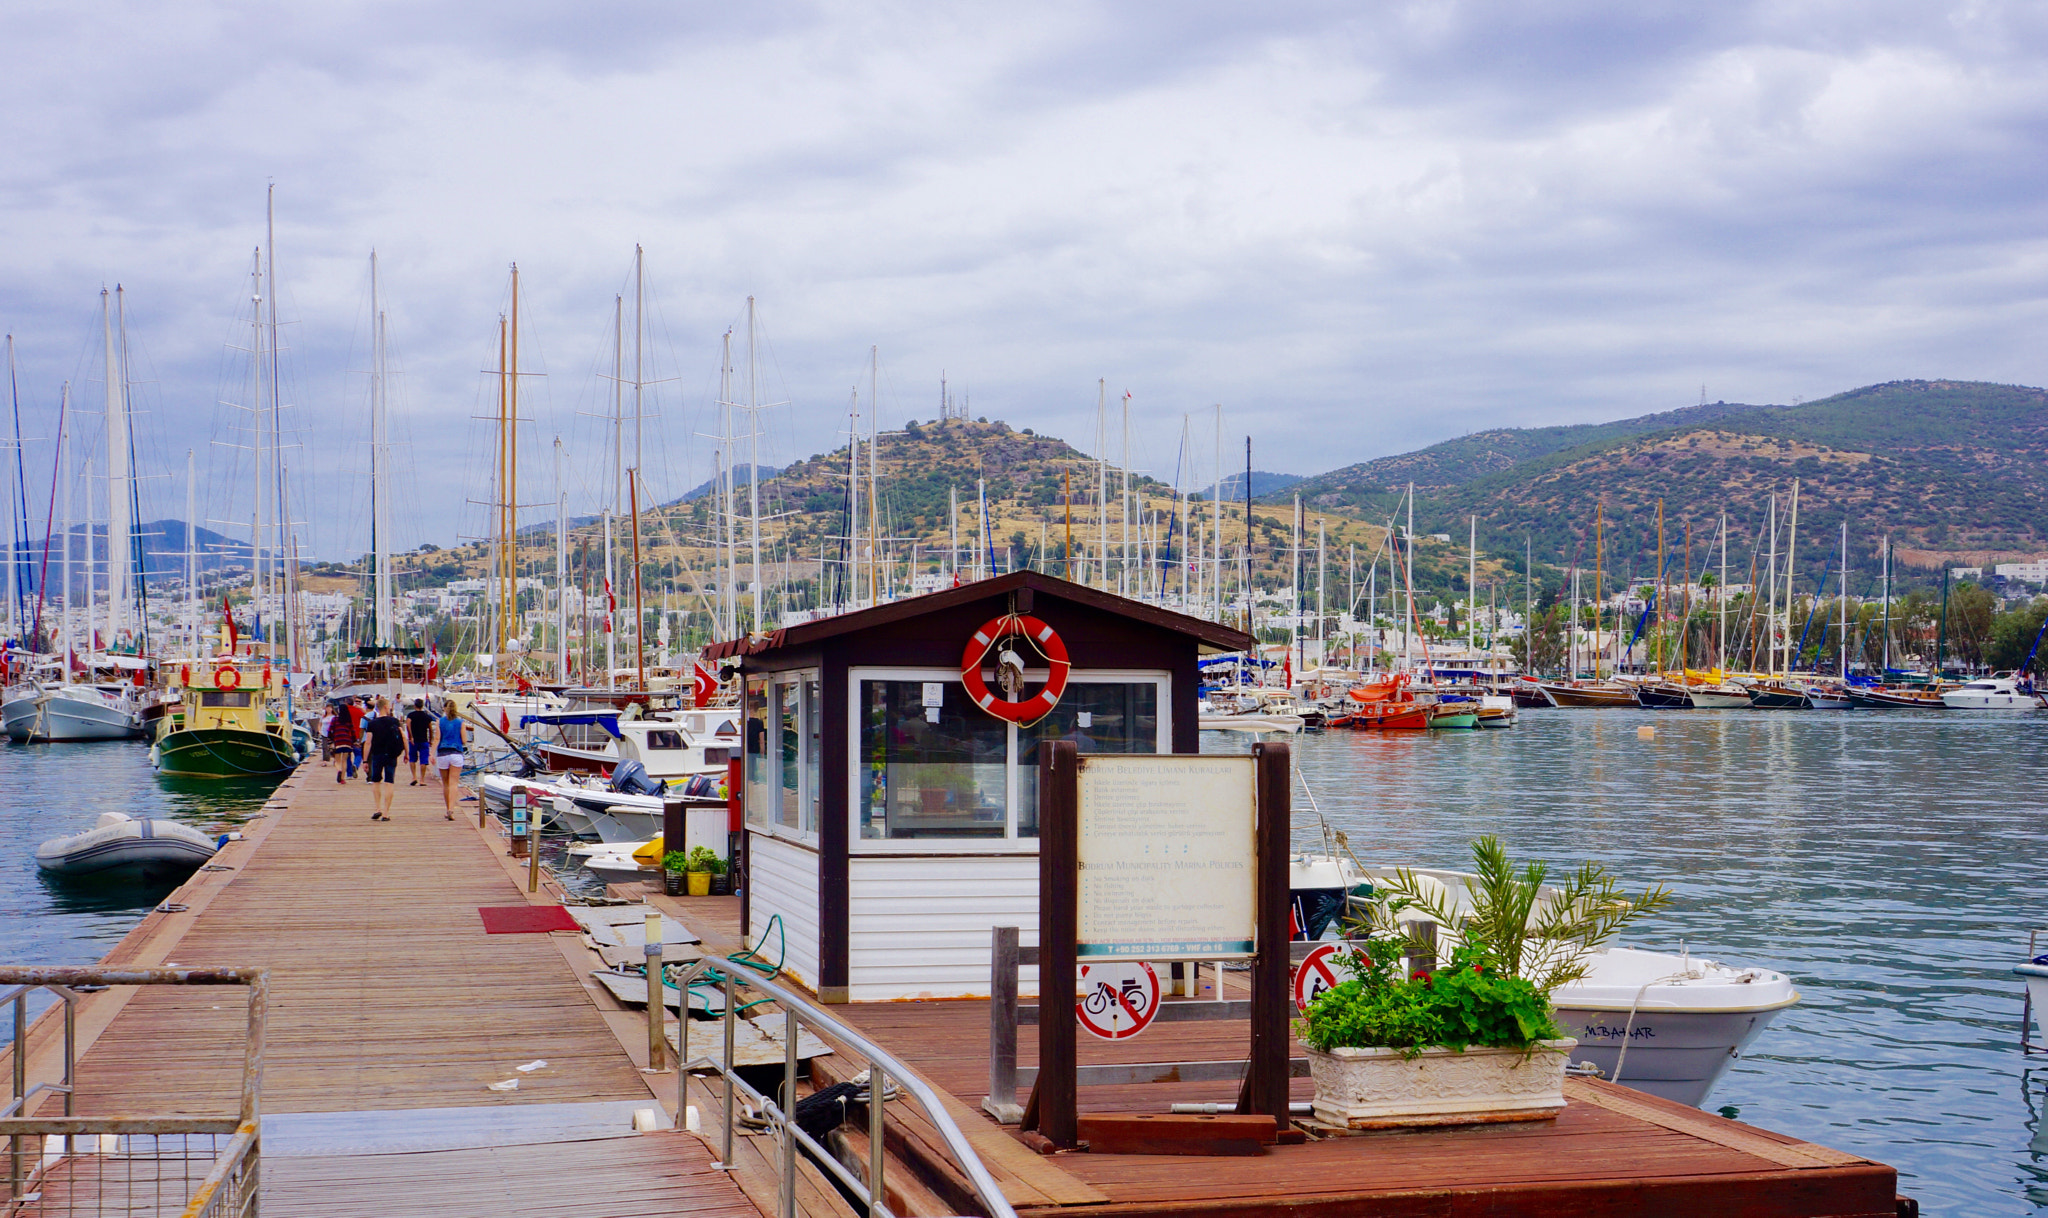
228	722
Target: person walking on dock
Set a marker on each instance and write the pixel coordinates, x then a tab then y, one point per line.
341	736
387	743
354	710
419	747
448	754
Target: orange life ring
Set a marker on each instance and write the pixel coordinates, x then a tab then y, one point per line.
227	677
1048	643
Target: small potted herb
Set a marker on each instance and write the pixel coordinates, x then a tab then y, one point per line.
698	867
674	865
1474	1041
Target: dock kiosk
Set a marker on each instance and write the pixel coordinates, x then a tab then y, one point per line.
891	784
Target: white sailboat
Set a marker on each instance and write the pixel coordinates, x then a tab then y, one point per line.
57	710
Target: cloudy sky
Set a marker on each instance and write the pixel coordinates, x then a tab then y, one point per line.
1360	228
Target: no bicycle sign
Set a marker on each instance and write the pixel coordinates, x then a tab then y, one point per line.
1117	999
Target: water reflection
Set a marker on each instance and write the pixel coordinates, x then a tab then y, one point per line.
1888	861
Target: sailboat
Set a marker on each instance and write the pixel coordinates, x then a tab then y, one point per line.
58	709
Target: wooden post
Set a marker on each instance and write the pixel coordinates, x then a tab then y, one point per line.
674	829
1052	1109
1002	1026
1265	1078
657	1004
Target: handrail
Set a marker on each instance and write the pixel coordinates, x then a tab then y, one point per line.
880	1062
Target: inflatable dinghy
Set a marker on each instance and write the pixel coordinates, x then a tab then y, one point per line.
155	847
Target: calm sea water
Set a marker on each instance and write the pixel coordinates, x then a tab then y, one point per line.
1891	862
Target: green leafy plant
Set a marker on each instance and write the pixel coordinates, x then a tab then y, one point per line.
1465	1004
1513	925
701	858
676	861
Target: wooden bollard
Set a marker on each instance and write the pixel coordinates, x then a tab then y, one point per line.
657	1000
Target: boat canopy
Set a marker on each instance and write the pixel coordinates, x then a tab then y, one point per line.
608	721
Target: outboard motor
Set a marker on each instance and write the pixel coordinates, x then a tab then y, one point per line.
630	778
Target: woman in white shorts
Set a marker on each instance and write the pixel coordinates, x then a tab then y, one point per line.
448	755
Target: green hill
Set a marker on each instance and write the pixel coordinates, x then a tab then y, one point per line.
1952	470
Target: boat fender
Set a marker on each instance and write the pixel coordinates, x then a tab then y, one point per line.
1044	639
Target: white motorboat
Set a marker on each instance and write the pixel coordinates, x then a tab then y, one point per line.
56	711
595	741
117	840
612	816
1828	697
616	863
1249	712
1666	1024
1991	693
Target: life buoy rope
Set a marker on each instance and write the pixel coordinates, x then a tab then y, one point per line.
1044	640
227	676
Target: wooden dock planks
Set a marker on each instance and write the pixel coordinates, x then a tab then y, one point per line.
386	993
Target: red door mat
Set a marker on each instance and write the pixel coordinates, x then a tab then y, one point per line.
525	919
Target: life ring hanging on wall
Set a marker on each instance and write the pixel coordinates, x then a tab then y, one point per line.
1042	638
226	676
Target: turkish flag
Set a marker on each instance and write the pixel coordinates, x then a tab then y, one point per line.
434	661
707	685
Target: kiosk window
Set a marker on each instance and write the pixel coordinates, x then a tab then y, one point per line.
757	750
930	771
1099	718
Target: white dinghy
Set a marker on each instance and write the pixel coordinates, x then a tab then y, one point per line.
154	847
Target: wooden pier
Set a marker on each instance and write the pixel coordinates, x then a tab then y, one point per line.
392	1012
387	1001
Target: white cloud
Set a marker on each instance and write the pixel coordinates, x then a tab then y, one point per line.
1361	232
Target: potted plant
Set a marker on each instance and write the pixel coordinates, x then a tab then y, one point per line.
1397	1045
674	865
698	866
721	877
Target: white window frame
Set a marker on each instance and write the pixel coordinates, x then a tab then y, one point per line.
1009	843
791	679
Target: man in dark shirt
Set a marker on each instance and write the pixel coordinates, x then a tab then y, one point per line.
386	742
419	746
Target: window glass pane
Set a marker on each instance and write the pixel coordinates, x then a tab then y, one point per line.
1099	718
814	749
789	742
757	750
929	771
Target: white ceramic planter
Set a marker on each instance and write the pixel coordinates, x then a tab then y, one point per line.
1379	1088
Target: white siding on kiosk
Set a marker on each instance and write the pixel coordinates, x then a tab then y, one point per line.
784	880
919	925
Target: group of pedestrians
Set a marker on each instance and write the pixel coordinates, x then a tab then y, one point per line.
366	734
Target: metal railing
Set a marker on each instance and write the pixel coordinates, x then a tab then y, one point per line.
779	1110
196	1167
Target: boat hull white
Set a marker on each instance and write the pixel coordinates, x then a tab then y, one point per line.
1678	1055
57	718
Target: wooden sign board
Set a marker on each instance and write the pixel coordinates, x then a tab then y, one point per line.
1167	847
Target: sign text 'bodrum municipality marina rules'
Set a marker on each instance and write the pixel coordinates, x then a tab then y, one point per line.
1167	847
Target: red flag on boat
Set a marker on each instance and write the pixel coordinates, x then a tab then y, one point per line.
434	661
1287	671
707	685
504	721
227	616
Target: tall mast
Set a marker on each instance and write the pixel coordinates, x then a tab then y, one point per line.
1842	644
561	569
1721	597
1886	664
1322	647
874	499
1771	598
1407	627
1791	557
510	620
1663	659
729	590
1471	587
1599	589
1216	513
17	507
498	563
118	471
611	509
639	613
639	374
1123	575
1102	475
1294	586
63	451
853	495
276	472
380	524
754	465
191	564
